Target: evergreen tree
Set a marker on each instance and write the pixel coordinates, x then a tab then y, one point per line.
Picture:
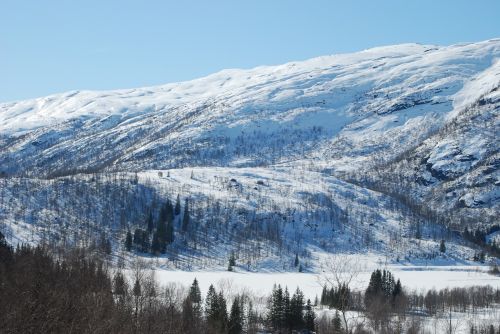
296	306
169	237
194	292
137	289
119	285
276	308
235	325
166	212
296	262
222	313
216	311
232	262
145	244
161	232
137	237
178	205
185	218
190	317
141	240
128	241
286	318
156	247
150	223
211	304
442	246
165	226
374	287
194	297
169	210
337	323
324	296
309	317
398	289
418	232
382	289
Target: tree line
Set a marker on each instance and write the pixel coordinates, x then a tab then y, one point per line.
75	291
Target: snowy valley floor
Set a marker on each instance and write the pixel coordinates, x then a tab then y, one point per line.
419	278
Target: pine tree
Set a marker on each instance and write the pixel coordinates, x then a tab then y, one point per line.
150	223
137	289
222	313
169	210
194	297
337	323
169	237
235	325
128	241
418	232
185	218
190	317
276	309
296	306
178	205
119	285
161	232
156	244
211	306
398	289
232	262
374	287
309	317
296	262
324	296
145	245
286	318
442	246
194	292
216	310
165	227
137	237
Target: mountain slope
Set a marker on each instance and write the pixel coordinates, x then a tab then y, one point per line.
337	109
264	154
456	170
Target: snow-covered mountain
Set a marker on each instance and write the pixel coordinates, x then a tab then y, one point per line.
418	123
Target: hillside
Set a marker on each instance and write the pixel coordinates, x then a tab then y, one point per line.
377	151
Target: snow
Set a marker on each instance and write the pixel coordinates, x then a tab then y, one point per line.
384	70
294	127
413	278
481	84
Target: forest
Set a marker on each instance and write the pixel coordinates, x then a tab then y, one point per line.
44	290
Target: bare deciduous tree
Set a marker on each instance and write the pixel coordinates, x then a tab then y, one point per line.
341	272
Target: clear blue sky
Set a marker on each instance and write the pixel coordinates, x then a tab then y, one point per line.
53	46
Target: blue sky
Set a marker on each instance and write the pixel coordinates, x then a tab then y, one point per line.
54	46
